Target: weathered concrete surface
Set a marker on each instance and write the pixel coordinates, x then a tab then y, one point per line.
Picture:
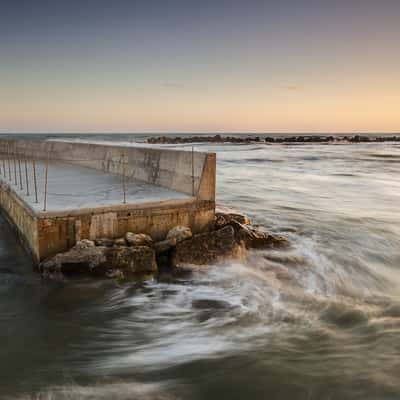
22	219
72	187
182	171
51	232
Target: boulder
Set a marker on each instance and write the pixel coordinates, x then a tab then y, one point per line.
164	245
254	237
132	260
79	259
206	247
104	242
179	233
100	260
224	215
138	239
84	244
120	242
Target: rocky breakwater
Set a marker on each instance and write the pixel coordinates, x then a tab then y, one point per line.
137	255
299	139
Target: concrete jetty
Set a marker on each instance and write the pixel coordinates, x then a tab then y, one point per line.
56	193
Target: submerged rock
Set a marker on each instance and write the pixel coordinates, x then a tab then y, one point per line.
206	247
180	233
115	274
138	239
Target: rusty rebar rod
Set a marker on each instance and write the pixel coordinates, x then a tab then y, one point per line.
123	177
35	180
45	183
20	172
4	164
26	177
15	165
192	171
9	163
2	170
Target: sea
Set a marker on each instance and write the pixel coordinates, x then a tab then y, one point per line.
320	320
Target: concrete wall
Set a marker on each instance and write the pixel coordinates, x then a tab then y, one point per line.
179	170
21	218
59	232
48	233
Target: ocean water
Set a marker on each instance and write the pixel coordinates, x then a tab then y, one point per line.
318	321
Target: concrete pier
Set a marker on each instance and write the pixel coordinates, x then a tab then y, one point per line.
93	191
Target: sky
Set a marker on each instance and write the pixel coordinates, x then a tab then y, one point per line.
199	66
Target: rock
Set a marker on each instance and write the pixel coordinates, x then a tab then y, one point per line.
164	245
206	247
104	242
84	244
138	239
101	260
134	260
79	259
254	237
115	274
269	139
120	242
180	233
224	215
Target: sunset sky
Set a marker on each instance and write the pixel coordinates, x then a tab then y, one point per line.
200	66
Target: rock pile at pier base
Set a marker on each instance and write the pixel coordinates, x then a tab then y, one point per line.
137	255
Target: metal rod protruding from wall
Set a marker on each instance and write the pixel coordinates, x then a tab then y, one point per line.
3	170
35	180
45	183
192	171
9	162
26	177
4	164
123	177
15	164
20	173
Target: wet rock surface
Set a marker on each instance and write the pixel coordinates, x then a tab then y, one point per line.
253	237
164	245
137	254
101	260
132	260
80	259
225	215
206	247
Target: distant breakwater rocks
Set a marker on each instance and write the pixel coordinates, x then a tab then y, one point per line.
136	255
271	139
